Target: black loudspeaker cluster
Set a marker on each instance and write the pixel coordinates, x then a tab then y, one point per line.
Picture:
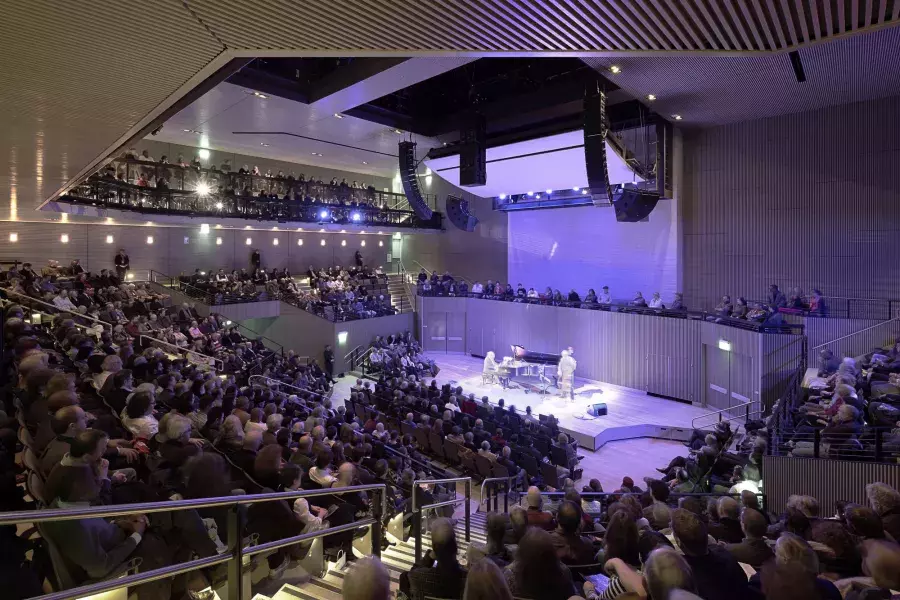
407	155
473	151
631	203
458	213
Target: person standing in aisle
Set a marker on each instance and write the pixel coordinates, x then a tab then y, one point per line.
123	264
329	363
255	260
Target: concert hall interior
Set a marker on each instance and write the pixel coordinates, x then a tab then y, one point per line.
377	299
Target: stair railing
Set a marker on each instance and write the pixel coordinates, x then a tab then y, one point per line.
235	509
417	510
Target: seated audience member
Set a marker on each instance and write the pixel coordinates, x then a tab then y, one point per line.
793	555
571	547
486	582
656	301
494	549
537	517
728	528
885	501
724	308
881	569
537	573
439	574
753	549
638	300
366	579
138	416
716	572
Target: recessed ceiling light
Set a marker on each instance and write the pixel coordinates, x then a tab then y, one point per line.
186	130
365	163
258	95
676	117
398	132
615	69
651	97
338	116
264	144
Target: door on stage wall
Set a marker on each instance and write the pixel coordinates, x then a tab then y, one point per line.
729	381
434	326
445	331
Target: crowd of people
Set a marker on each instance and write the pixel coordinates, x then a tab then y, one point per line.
399	356
776	303
447	285
240	285
341	293
851	410
142	182
648	545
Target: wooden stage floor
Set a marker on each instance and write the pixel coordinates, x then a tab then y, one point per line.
631	413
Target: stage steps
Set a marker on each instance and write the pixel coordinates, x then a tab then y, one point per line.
397	290
398	558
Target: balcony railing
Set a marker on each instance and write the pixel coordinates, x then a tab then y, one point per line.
113	194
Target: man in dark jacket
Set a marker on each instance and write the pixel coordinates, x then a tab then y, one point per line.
753	549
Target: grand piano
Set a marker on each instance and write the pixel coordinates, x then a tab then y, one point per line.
529	365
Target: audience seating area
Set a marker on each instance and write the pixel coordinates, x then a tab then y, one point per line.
339	293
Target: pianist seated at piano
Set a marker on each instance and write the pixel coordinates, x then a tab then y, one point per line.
491	368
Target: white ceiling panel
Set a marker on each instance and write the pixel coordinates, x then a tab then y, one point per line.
285	126
554	162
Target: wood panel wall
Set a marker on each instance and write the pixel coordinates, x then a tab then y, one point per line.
809	199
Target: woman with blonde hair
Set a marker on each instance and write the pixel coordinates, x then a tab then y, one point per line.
486	582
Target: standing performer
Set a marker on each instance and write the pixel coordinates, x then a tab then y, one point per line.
566	375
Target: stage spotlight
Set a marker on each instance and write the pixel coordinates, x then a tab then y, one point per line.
323	214
218	206
549	192
203	153
356	217
575	189
503	196
530	194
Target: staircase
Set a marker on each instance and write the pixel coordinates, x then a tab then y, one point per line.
397	558
397	289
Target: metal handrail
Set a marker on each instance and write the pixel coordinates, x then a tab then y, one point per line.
235	527
508	480
721	410
406	457
281	383
849	335
60	310
221	364
417	510
35	311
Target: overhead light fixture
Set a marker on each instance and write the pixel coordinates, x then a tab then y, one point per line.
129	276
380	243
503	196
651	97
203	153
549	191
275	242
356	217
14	237
218	241
323	214
338	116
264	144
188	130
537	196
149	239
576	189
204	227
322	243
258	95
343	242
530	194
676	117
203	188
583	192
363	243
249	241
299	242
109	239
365	163
398	132
218	206
615	69
64	238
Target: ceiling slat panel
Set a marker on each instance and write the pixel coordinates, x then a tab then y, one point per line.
645	37
595	39
541	22
474	8
805	19
740	26
762	17
750	18
664	11
569	25
789	20
600	23
723	19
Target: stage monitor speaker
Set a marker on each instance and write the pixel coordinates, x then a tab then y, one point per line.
595	131
597	410
458	213
473	151
407	156
633	204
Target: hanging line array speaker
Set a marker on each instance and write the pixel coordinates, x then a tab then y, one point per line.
407	155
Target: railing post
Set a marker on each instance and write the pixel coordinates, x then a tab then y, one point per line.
417	525
235	565
816	440
468	509
495	491
506	498
377	514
